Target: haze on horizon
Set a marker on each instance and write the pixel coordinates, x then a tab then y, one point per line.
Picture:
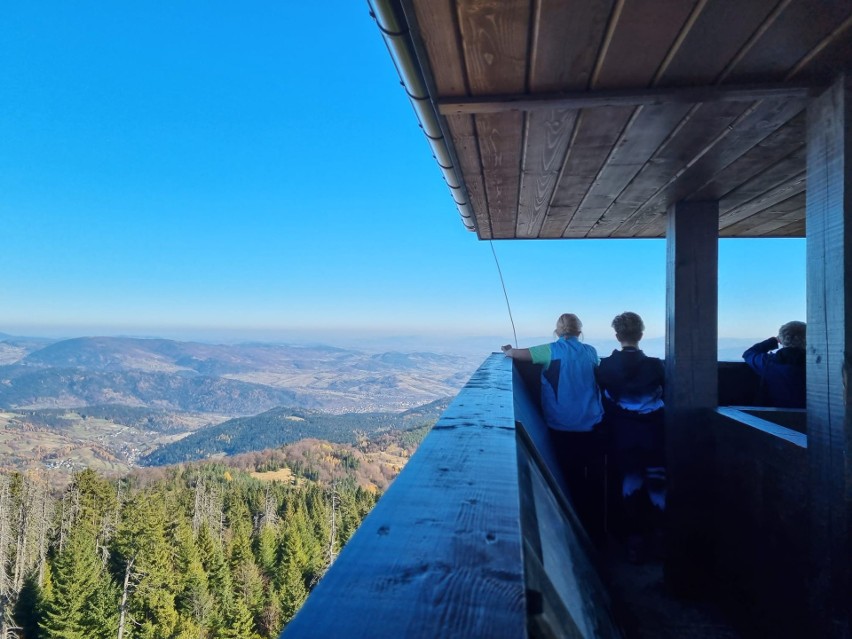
197	172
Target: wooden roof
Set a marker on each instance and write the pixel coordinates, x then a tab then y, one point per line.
588	118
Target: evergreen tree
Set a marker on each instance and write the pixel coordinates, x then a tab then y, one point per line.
73	609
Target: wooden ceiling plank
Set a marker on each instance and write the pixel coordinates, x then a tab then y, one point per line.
546	142
773	148
495	39
437	30
800	27
650	127
463	132
779	193
723	27
657	24
596	132
687	142
774	175
566	37
747	132
499	137
795	229
557	219
770	219
495	44
823	61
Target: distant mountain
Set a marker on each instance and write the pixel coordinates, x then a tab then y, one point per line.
331	378
26	386
281	426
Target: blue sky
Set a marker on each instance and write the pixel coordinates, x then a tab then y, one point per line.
218	170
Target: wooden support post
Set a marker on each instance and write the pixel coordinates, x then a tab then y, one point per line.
691	388
829	266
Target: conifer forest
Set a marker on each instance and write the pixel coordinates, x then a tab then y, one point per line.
198	552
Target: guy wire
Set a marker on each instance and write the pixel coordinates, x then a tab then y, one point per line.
505	294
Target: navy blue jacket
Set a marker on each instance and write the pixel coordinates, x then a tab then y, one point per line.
782	373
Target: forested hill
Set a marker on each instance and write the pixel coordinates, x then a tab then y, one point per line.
199	552
281	426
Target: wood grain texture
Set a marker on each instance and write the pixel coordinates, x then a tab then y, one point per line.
440	554
693	137
691	305
742	137
545	144
436	28
655	23
566	38
829	304
649	128
691	388
770	221
800	27
500	143
463	132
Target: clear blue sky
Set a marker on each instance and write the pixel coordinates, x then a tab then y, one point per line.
255	169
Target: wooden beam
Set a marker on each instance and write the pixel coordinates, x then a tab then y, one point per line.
691	388
440	555
622	97
829	303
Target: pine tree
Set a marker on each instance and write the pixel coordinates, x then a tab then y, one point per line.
68	613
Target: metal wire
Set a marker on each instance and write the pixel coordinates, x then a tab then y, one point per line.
505	294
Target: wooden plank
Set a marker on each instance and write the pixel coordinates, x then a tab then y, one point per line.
796	229
768	199
631	21
691	305
499	139
595	133
827	57
622	97
829	396
437	30
777	183
799	28
461	129
654	23
566	38
546	142
765	222
495	42
440	554
691	387
745	134
767	152
718	33
646	132
692	137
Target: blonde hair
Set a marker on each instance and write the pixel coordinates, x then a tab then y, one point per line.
568	324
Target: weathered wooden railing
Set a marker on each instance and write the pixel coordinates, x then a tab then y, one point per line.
476	537
473	539
761	517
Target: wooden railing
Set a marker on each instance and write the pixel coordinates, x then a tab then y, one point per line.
474	539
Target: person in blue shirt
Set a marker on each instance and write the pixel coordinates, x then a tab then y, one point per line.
782	372
571	404
632	386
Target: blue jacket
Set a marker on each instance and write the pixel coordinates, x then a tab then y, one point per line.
782	373
570	398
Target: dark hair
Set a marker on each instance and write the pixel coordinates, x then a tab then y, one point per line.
628	326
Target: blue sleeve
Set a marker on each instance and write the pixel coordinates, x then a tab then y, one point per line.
757	356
